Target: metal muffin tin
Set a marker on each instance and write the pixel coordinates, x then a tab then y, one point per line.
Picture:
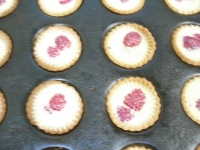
93	75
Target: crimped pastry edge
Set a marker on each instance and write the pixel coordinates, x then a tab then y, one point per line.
4	106
198	147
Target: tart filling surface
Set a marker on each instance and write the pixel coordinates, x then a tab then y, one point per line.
137	148
124	6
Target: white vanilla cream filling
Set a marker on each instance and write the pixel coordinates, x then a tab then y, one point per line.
54	6
185	5
3	48
6	5
188	31
66	116
119	51
192	95
147	110
66	55
137	148
129	5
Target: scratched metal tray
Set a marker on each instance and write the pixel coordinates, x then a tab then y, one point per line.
92	75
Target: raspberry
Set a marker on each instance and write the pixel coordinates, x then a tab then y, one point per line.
124	113
65	1
48	109
135	100
132	39
124	1
191	43
2	1
198	104
57	102
197	36
62	42
53	52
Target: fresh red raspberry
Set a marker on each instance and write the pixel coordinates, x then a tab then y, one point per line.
2	1
198	104
124	1
53	52
135	100
65	1
124	113
197	36
132	39
191	43
62	42
58	102
48	109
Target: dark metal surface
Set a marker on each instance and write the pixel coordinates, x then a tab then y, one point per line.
93	75
54	148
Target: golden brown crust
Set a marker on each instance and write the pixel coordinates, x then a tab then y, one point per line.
9	11
30	111
133	128
3	106
61	14
184	100
146	58
178	50
124	12
8	42
41	62
192	12
198	147
137	148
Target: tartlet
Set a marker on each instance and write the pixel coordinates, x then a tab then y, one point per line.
59	8
133	104
57	48
186	43
190	98
54	107
129	45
